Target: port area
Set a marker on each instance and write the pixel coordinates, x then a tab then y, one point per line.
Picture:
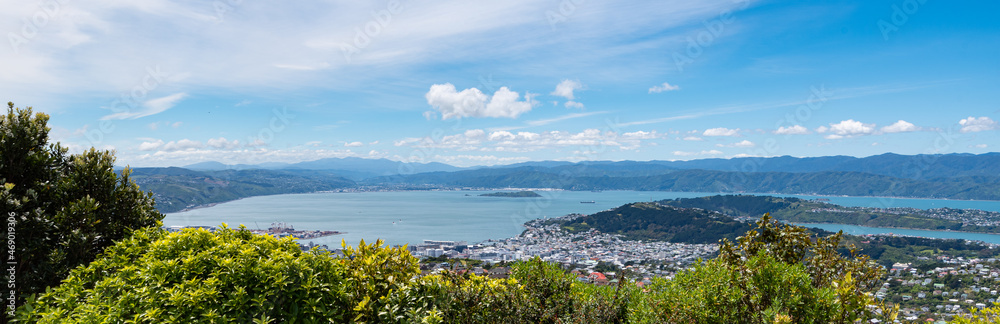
277	229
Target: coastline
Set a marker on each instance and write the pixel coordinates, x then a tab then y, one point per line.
558	189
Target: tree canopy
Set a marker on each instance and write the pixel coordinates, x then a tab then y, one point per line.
62	209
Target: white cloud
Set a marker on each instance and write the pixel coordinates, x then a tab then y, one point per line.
176	124
471	160
182	145
708	152
744	143
474	103
979	146
822	129
792	130
222	143
848	128
565	89
150	107
663	87
973	124
900	126
354	144
693	138
149	146
721	131
474	133
507	141
640	135
574	104
501	135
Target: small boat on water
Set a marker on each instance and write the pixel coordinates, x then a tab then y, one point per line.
588	202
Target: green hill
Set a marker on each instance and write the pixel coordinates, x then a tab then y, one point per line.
807	211
648	221
176	189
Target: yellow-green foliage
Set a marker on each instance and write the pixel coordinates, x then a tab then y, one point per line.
198	276
372	273
235	276
987	315
774	274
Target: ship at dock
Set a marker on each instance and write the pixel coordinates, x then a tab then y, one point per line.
282	229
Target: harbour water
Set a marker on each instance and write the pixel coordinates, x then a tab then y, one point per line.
864	230
403	217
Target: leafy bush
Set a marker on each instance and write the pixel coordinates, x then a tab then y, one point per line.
776	273
980	316
536	292
194	275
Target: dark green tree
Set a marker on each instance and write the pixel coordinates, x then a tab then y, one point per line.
62	210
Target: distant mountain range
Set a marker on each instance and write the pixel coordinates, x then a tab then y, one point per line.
350	167
953	176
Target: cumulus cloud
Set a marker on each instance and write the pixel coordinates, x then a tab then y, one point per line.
792	130
708	152
979	146
150	146
973	124
744	143
900	126
847	128
507	141
693	138
574	104
663	87
565	89
474	103
182	145
640	135
474	133
354	144
222	143
721	131
148	108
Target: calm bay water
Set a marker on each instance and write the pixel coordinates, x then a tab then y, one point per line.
864	230
412	216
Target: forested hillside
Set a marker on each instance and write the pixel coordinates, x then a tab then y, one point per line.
808	211
176	189
648	221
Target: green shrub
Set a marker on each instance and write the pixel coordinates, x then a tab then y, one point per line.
198	276
775	274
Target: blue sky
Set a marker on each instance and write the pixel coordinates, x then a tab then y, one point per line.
241	81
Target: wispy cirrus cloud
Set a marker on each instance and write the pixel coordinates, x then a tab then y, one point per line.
149	107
